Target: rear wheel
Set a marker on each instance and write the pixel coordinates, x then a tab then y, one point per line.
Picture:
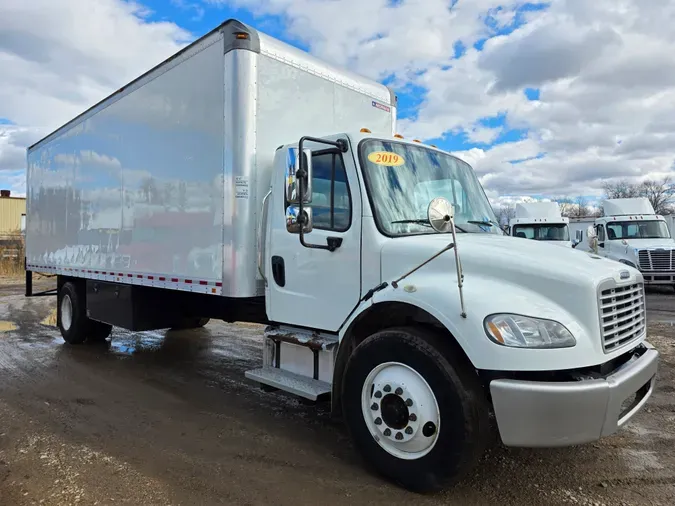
72	319
416	413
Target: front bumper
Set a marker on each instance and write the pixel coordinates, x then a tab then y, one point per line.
658	277
551	414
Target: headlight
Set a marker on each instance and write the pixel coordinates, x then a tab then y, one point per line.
523	332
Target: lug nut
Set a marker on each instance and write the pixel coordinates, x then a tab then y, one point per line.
408	402
378	394
399	436
374	406
387	432
387	388
408	430
412	417
399	391
378	421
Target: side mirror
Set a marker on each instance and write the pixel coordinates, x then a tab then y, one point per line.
440	214
292	224
293	182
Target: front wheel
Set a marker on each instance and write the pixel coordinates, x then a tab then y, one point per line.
416	413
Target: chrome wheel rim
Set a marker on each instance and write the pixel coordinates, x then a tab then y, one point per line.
400	410
66	312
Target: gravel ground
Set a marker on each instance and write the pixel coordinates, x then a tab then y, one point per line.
167	418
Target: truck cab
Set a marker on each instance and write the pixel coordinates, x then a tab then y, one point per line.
541	221
631	232
421	329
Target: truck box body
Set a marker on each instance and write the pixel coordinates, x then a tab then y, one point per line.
160	184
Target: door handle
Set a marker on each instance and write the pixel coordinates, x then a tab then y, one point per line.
278	270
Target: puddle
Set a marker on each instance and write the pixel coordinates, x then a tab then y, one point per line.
6	326
131	344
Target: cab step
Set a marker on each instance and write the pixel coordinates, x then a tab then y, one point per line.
287	381
297	361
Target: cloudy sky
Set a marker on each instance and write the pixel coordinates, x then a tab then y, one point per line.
543	99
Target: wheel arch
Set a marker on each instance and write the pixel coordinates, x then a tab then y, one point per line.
381	316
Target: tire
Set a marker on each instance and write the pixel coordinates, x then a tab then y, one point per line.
458	400
191	323
75	326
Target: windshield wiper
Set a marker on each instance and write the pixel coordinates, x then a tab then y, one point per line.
478	222
416	222
424	222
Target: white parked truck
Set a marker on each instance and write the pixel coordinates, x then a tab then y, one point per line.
631	232
541	221
245	180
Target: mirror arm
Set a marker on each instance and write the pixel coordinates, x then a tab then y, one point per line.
333	243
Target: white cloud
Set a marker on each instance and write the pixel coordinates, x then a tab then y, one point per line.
59	58
604	70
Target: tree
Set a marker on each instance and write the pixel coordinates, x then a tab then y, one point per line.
505	212
577	208
621	190
566	207
660	193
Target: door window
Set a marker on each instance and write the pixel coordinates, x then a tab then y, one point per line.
331	200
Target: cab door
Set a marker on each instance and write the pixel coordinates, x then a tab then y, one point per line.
310	285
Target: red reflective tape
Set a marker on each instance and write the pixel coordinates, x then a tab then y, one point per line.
95	272
139	275
162	278
120	274
203	283
151	277
218	283
174	280
188	281
130	275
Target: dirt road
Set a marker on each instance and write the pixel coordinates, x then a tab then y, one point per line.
161	418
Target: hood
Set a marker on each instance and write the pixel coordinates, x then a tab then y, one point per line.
664	243
523	262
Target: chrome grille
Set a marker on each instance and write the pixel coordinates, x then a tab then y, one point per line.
622	315
656	260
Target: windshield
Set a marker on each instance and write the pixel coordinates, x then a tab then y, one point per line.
543	232
647	229
402	179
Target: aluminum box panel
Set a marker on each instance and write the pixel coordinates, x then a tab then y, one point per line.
136	186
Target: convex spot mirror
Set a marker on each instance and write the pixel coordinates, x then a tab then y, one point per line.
292	222
291	179
440	214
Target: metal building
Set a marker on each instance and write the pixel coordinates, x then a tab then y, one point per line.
11	211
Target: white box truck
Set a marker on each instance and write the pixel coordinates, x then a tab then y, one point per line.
245	180
631	232
541	221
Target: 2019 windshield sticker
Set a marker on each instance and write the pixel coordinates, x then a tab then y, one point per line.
386	158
